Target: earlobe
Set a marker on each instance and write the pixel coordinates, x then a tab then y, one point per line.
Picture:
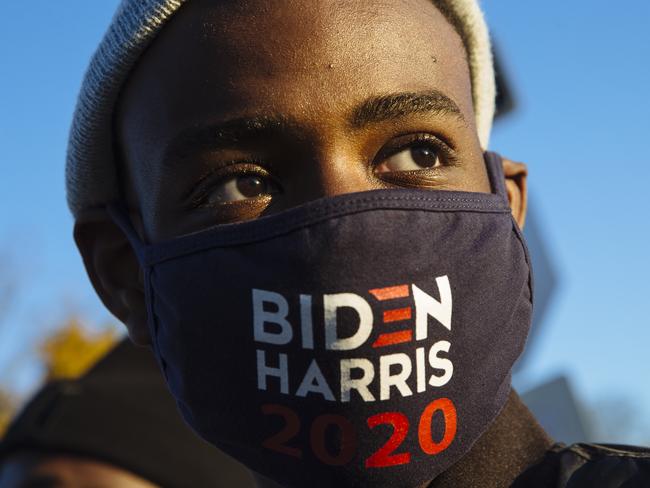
517	187
113	270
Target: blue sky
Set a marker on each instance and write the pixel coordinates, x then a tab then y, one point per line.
580	73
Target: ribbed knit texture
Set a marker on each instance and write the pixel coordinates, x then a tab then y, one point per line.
91	177
476	38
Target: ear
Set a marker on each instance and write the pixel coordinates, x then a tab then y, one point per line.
113	270
516	185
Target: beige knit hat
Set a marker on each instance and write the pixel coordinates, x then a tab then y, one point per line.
91	177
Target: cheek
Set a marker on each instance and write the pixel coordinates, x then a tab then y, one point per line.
477	177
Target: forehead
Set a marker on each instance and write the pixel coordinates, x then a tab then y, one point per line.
309	60
290	39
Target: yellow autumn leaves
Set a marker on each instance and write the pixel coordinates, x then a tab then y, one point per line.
67	353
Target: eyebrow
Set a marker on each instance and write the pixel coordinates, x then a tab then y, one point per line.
256	129
233	132
395	106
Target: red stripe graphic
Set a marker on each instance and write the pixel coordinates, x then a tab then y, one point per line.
392	338
390	292
397	314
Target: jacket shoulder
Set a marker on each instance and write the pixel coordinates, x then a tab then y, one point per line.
589	465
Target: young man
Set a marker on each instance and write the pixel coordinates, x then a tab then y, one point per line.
292	204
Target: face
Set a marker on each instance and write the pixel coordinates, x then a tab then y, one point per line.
240	109
238	112
59	471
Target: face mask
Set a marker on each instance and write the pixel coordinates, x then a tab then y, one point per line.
361	340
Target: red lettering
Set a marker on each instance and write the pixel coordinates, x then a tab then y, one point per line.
384	455
277	442
448	410
348	447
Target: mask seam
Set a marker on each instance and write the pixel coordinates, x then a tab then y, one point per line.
178	249
153	322
531	276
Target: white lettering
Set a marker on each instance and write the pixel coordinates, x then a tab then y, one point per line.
261	317
280	372
306	325
419	368
440	363
314	381
386	380
331	303
360	384
426	305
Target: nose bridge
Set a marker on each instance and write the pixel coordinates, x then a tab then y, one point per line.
332	163
339	170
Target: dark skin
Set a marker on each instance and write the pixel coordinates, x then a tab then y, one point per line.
242	109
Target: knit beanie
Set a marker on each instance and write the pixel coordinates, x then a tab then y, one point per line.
121	413
91	174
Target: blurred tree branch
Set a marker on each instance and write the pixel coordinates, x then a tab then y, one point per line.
65	353
73	349
7	408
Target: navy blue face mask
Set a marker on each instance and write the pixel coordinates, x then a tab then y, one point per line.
361	340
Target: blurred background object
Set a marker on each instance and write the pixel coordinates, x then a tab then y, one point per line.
557	409
505	101
67	352
71	350
553	402
118	416
7	407
573	105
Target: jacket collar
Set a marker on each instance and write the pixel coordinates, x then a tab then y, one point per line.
513	442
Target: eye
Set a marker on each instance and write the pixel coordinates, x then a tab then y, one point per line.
414	156
242	187
240	183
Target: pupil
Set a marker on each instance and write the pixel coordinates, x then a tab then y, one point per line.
250	186
424	156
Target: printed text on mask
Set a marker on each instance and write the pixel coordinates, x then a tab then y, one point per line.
386	376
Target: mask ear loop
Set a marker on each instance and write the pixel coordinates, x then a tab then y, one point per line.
494	166
119	213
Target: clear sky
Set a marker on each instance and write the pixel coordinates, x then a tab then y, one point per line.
580	73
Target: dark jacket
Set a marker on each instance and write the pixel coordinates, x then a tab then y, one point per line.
516	452
597	465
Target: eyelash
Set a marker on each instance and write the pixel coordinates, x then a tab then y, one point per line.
447	151
224	172
252	166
